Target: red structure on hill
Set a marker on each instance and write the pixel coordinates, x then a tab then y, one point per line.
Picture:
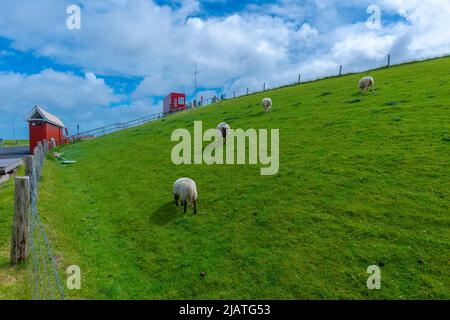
44	126
174	102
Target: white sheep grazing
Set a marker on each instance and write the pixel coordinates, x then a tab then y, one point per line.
224	130
365	84
267	104
186	189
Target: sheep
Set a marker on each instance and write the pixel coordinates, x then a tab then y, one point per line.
186	189
267	104
224	130
365	84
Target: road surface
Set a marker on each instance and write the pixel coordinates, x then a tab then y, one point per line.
13	152
11	158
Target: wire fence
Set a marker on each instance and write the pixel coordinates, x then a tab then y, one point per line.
115	127
422	54
46	284
387	61
98	132
45	280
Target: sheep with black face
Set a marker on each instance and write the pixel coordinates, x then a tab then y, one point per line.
224	130
267	104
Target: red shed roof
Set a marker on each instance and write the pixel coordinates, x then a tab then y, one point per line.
39	114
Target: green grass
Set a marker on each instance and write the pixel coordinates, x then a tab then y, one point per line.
14	281
14	143
363	180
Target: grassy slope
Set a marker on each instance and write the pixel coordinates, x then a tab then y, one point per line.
13	281
363	180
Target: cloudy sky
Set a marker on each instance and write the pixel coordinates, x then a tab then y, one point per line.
128	54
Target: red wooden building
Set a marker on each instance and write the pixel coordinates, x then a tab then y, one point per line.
174	102
44	126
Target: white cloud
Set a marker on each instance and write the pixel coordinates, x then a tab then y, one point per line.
161	44
306	31
60	90
70	96
161	84
140	38
429	22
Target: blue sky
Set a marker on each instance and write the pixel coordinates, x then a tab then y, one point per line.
129	54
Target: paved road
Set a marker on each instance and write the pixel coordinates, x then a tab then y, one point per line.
11	157
13	152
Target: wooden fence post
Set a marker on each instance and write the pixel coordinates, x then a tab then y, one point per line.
35	153
36	160
264	87
19	239
40	159
45	145
29	172
299	78
39	145
340	70
389	60
29	166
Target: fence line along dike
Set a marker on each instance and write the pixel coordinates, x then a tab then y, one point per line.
29	240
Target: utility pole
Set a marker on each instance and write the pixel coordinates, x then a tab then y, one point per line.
195	83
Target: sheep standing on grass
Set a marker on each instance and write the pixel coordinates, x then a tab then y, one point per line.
267	104
366	83
186	190
224	130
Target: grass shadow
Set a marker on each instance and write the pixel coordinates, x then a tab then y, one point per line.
357	100
258	114
166	214
327	93
5	265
